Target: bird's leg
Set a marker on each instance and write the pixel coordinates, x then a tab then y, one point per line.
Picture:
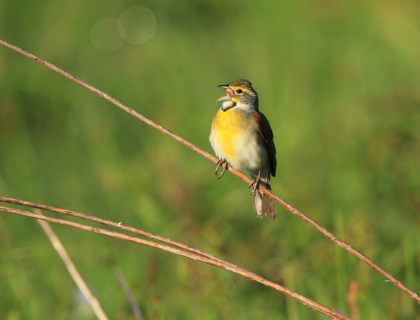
218	166
257	183
220	163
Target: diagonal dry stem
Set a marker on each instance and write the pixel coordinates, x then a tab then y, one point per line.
221	264
114	225
215	160
58	246
133	303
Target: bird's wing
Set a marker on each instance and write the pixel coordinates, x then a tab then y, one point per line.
267	134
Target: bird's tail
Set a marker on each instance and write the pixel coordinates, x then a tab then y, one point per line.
264	205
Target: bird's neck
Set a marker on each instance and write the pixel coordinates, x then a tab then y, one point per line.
247	107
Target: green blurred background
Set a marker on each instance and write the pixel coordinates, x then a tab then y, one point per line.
339	82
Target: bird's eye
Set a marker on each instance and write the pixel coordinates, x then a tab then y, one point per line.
239	91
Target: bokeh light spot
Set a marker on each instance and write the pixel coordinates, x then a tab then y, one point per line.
105	34
137	24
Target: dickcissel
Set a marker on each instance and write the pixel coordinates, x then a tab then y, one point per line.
242	138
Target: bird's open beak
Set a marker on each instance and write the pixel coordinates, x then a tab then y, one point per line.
228	91
223	99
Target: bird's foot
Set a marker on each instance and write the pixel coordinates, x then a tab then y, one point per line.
221	163
256	184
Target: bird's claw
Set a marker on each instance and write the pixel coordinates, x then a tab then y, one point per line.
256	184
221	163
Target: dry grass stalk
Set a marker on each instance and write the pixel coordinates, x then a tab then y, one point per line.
218	263
96	306
134	306
328	234
114	225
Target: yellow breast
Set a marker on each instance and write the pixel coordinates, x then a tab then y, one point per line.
229	129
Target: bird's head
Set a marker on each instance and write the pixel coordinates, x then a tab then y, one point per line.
239	94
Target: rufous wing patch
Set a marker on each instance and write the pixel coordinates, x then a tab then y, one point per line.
265	130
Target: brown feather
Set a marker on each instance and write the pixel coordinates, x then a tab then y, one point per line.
267	134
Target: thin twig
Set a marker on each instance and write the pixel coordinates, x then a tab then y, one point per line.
308	302
96	306
230	169
136	308
114	225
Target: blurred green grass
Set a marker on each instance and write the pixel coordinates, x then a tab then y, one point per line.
339	82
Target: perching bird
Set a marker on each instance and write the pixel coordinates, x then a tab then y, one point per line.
241	136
